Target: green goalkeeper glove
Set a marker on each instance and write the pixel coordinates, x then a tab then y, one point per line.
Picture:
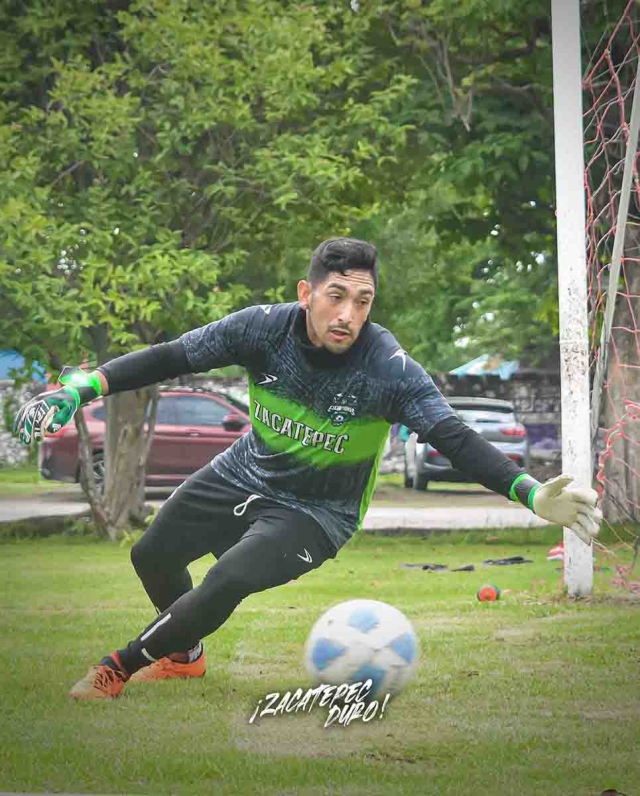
573	507
50	411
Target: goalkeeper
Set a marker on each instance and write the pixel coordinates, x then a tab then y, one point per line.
325	386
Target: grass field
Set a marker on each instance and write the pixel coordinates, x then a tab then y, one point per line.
25	481
529	696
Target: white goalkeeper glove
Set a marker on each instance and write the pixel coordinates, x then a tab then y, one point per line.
572	507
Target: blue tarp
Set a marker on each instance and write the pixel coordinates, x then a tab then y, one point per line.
11	360
487	365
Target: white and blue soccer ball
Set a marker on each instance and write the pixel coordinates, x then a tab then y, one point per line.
363	640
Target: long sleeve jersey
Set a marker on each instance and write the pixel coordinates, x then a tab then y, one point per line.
319	421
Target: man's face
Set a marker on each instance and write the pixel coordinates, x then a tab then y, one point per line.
337	308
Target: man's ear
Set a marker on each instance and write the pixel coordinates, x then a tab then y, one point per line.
304	293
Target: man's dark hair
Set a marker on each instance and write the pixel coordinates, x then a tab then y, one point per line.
342	254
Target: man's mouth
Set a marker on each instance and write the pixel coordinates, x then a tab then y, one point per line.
339	334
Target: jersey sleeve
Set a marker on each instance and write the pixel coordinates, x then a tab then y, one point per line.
233	340
418	403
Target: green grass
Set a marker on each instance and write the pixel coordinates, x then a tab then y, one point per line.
533	695
25	480
397	480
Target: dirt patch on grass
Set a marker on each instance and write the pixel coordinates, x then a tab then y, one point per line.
446	624
388	738
624	598
519	634
303	736
345	790
627	712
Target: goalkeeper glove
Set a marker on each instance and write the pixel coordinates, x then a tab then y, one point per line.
50	411
572	507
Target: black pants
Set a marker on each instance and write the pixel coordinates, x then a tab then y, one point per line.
258	544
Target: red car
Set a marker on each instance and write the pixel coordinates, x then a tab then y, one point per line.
192	426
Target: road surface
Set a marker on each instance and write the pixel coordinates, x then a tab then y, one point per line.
391	510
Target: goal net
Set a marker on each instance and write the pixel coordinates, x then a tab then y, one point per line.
613	262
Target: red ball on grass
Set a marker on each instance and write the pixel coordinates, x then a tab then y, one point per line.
488	593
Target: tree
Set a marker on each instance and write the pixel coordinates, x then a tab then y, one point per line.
474	234
155	154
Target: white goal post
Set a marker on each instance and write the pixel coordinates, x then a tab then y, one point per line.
572	275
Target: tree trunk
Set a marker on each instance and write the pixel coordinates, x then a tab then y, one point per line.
120	504
87	478
127	447
128	441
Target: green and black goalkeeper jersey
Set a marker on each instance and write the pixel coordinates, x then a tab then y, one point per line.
319	420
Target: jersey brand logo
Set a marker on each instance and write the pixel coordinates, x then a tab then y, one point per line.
268	379
403	355
343	408
306	557
266	308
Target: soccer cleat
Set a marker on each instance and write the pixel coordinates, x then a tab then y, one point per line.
100	682
166	669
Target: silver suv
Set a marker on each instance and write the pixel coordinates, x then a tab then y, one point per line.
493	419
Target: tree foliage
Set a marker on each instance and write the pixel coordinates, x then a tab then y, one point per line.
158	157
470	249
165	161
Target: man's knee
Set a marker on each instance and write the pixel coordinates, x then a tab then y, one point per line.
147	557
139	555
230	577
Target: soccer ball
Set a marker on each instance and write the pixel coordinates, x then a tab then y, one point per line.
363	640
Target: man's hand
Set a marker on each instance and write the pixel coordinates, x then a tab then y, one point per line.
572	507
50	411
47	412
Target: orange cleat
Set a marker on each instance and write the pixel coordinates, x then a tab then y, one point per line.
166	669
100	682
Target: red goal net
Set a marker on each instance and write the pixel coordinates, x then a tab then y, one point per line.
609	85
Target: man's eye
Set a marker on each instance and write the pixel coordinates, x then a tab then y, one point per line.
335	296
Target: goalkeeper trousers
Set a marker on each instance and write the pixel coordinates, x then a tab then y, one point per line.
258	544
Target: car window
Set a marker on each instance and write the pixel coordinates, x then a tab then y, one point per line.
99	413
167	412
196	410
485	415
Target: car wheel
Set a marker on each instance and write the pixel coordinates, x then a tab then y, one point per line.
420	481
99	472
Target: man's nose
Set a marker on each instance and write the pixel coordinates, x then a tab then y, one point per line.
345	316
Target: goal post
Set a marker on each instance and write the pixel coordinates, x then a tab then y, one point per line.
572	274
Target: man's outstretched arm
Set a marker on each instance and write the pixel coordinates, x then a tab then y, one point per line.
229	341
554	501
141	368
50	411
422	408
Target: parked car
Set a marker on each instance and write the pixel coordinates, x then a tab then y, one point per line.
192	426
493	419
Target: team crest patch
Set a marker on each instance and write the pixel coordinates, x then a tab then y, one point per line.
343	408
